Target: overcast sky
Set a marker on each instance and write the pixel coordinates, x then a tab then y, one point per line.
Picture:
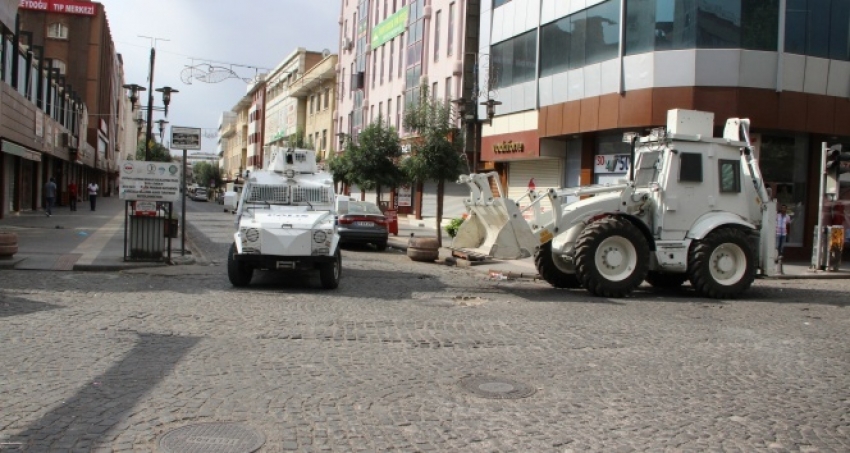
256	33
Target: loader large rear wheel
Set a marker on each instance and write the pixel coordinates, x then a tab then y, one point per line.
722	266
545	263
612	257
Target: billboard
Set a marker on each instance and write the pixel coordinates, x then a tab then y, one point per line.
390	28
188	138
149	181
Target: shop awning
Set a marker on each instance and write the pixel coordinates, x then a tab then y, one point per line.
18	150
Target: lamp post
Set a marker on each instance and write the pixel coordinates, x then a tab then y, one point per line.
166	100
161	123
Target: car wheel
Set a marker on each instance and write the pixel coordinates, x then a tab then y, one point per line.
330	273
239	273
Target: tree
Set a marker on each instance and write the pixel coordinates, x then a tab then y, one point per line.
159	153
438	153
204	172
373	159
339	165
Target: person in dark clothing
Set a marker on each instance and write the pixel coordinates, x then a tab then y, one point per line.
72	195
49	196
93	195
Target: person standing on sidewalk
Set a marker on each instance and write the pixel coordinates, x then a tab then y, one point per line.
49	196
783	227
93	195
72	195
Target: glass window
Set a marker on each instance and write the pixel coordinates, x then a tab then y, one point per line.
719	24
57	31
818	28
578	27
451	30
839	31
515	61
730	176
555	47
649	163
498	3
602	31
437	35
690	167
659	25
783	160
760	24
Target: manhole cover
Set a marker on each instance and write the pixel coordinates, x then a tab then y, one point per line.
496	388
212	438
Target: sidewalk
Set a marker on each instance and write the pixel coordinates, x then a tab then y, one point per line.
525	268
81	240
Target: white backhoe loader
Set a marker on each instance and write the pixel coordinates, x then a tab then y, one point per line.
693	207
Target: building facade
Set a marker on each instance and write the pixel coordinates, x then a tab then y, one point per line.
316	89
43	122
389	51
77	44
572	77
233	137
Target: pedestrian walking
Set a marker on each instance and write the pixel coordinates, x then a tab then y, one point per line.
49	196
93	195
783	227
72	195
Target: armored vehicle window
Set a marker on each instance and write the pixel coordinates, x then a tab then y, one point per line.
690	167
647	169
730	176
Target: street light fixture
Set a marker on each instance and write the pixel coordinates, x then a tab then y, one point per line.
166	100
161	123
491	104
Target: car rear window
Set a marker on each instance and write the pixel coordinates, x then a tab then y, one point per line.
362	207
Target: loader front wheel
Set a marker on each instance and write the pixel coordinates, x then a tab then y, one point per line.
722	266
547	269
612	257
239	273
666	279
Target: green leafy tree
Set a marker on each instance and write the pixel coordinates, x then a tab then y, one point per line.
438	153
339	165
204	172
159	153
373	159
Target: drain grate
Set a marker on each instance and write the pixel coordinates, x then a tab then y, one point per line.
212	438
496	388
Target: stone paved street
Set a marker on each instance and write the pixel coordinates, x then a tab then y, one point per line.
112	361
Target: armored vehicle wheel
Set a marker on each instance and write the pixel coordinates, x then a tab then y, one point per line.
239	273
612	257
545	263
329	273
722	266
666	280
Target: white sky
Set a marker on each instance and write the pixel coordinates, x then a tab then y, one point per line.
258	33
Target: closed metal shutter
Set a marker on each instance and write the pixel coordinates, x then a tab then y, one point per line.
453	196
546	173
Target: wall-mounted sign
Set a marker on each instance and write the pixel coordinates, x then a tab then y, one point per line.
390	28
60	6
149	181
185	138
611	163
405	193
508	147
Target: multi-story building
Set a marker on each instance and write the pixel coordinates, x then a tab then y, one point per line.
229	162
256	122
572	77
77	44
286	114
233	137
316	89
389	50
43	121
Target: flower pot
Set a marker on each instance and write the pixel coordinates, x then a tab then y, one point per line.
423	249
8	244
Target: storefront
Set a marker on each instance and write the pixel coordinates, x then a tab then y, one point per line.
20	177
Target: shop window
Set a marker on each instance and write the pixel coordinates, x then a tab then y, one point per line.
784	160
690	167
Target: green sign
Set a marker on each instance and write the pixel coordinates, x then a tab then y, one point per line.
390	28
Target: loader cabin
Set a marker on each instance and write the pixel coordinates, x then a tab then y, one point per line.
695	174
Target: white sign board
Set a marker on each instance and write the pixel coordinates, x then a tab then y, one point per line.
149	181
188	138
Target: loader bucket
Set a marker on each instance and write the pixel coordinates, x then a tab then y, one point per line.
494	226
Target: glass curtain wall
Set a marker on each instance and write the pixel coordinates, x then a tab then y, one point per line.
415	34
584	38
818	28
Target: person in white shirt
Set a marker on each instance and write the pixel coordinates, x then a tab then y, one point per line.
783	227
93	195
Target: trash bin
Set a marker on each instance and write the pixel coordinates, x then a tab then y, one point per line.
147	237
835	247
171	228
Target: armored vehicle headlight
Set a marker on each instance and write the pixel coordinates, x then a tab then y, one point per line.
319	236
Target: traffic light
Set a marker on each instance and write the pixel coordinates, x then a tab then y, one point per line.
836	163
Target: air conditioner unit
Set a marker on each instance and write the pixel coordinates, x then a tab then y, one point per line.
358	80
347	44
68	140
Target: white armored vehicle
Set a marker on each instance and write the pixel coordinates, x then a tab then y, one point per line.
285	220
693	207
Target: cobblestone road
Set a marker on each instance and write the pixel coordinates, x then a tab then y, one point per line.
111	362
